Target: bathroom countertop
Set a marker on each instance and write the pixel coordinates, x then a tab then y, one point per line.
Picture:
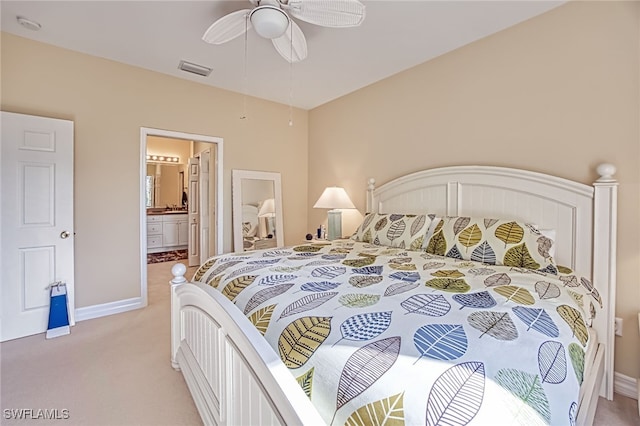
155	213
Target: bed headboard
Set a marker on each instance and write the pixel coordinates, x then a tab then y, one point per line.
583	216
250	214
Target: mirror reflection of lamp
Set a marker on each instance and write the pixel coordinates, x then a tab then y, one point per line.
267	214
334	198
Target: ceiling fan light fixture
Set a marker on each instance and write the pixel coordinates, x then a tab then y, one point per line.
269	21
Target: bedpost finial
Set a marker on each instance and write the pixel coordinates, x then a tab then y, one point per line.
371	184
606	172
178	270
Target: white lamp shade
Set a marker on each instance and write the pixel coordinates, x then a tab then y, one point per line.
268	208
269	21
334	197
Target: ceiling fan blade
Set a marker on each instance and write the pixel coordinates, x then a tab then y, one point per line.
228	27
292	45
327	13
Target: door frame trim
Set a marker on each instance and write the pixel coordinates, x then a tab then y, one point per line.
218	143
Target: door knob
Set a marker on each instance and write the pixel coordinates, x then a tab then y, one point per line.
64	235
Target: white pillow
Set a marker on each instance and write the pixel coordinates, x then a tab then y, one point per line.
249	230
250	216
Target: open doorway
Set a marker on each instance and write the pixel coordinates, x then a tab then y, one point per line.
180	198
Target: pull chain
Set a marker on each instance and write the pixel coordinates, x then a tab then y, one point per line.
246	78
291	76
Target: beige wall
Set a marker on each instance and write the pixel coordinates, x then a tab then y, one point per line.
557	94
108	103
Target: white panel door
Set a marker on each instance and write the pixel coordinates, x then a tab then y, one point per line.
36	221
205	166
194	212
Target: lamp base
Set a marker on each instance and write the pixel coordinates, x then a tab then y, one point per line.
334	228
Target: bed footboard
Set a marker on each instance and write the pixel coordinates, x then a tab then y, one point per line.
591	385
234	376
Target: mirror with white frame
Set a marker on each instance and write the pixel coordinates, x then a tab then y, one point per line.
257	210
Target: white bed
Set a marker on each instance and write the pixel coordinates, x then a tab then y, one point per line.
235	377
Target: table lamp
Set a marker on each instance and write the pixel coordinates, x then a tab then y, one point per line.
268	211
334	198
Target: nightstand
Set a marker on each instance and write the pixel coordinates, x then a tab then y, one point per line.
265	243
314	240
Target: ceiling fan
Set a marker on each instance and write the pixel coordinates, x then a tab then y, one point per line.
272	19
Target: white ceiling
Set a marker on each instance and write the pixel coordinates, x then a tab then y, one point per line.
156	35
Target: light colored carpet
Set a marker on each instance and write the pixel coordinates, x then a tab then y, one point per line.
622	411
116	370
113	370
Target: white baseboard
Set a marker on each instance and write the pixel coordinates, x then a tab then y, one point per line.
625	385
117	307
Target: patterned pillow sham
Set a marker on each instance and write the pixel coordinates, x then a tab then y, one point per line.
493	241
582	290
406	231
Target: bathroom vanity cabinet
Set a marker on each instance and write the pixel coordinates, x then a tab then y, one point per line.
167	232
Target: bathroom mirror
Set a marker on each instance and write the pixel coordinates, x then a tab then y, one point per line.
257	210
165	185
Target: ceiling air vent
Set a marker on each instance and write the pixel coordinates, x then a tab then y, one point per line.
194	68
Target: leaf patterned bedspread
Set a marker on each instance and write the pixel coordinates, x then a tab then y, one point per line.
379	335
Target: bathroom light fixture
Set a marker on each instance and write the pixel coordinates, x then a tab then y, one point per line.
154	158
334	198
269	21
